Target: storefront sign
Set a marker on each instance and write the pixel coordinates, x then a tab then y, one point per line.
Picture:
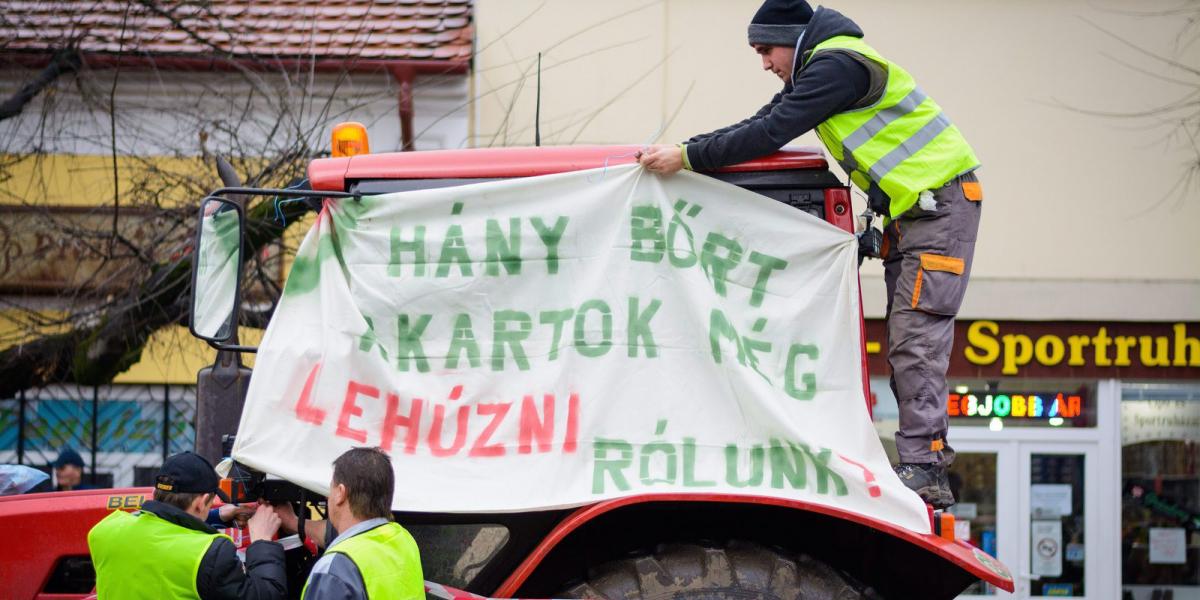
1015	405
1046	542
51	249
1154	420
1168	546
986	346
1062	349
1050	500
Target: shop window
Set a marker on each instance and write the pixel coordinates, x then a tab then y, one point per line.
1056	526
1160	491
973	481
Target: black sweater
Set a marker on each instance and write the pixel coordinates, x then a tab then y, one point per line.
830	83
221	575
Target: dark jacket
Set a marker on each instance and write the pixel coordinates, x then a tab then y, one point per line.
221	575
831	83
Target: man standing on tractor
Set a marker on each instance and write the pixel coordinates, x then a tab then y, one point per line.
165	550
372	556
916	169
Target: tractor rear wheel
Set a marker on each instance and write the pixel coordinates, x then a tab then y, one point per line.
736	571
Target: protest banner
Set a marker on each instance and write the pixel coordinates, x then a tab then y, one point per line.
560	340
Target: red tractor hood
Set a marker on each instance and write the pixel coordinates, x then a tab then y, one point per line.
331	174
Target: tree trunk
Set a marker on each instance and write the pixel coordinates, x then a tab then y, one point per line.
95	354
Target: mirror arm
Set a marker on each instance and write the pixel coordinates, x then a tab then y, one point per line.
294	193
232	347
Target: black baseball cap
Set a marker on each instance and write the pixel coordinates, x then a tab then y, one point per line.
189	473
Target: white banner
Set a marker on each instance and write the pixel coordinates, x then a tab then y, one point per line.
555	341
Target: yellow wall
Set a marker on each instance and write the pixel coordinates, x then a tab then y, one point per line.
171	355
87	179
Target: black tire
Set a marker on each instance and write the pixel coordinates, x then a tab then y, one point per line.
737	571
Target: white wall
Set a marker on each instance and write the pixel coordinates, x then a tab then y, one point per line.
163	113
1085	214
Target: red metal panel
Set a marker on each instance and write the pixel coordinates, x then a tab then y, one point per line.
838	210
961	554
840	213
42	528
862	350
330	174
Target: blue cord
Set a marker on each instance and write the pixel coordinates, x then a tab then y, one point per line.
279	203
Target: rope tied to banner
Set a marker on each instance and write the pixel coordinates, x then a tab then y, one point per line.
646	144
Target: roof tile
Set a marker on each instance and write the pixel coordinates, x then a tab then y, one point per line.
345	29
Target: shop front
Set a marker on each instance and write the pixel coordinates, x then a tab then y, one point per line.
1076	452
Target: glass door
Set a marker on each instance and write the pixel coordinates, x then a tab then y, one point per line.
986	507
1058	538
1033	505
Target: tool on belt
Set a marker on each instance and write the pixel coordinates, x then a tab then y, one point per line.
870	239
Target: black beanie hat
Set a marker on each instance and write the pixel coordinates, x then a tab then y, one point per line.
68	457
779	22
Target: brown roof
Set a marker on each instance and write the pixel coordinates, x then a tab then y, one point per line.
321	29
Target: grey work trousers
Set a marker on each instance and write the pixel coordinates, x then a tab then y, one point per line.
927	256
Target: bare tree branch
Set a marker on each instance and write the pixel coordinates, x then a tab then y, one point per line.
61	63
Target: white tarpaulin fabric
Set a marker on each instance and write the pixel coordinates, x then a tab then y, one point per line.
560	340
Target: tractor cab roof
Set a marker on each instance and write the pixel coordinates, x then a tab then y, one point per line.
332	174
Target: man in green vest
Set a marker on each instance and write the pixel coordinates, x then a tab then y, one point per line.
372	556
165	550
915	168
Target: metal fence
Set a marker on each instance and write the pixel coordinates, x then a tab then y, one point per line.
123	432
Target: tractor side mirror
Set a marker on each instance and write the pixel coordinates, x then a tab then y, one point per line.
217	270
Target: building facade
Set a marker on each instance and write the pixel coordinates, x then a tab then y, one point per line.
1076	451
159	91
1075	371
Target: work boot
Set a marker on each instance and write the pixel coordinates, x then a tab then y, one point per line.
929	481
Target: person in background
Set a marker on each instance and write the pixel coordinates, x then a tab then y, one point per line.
68	472
372	556
165	550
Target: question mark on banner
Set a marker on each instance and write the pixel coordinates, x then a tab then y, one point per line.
868	477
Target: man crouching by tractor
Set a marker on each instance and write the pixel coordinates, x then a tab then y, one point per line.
372	556
165	550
